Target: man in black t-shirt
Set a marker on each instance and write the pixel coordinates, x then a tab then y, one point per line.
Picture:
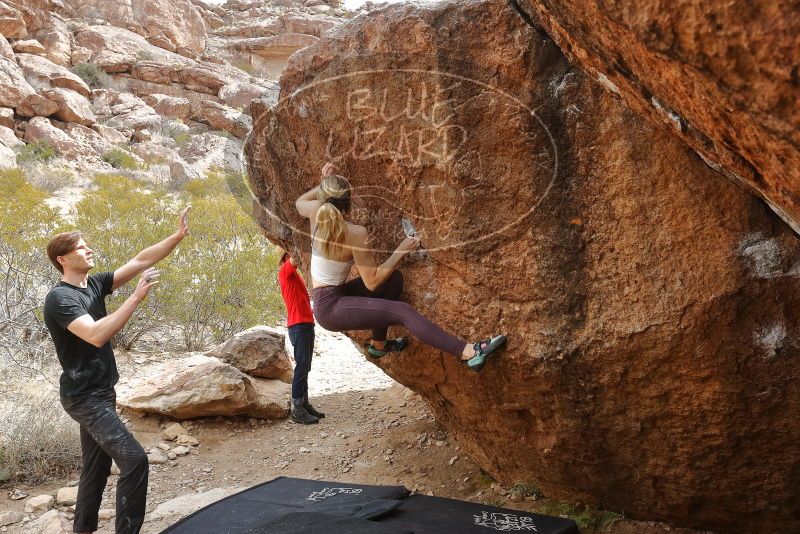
75	314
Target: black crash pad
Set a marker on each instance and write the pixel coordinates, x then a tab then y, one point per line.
293	505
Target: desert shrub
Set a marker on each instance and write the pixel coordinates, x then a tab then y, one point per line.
585	516
219	281
38	152
181	138
120	159
94	76
26	225
119	218
38	440
144	55
225	275
48	177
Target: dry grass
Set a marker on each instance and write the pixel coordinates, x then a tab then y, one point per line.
38	440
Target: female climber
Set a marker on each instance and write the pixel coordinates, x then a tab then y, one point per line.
369	301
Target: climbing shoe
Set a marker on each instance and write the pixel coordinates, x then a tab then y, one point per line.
313	411
301	416
392	345
482	350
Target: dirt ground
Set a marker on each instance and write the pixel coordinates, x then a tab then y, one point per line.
375	432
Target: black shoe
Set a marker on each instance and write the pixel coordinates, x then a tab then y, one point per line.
301	416
313	411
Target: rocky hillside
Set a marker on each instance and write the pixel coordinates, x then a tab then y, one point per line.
163	85
650	300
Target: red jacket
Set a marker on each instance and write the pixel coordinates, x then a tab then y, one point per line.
295	295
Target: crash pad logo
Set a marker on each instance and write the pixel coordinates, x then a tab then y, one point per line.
324	493
505	522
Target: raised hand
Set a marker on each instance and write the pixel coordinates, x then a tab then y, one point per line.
329	169
183	224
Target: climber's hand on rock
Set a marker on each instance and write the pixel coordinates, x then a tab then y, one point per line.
409	244
329	169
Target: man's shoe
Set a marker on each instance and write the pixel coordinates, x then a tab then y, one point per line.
313	411
301	416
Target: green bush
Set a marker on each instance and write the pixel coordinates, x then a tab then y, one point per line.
220	280
144	55
119	218
225	272
26	225
38	152
94	76
181	138
585	516
120	159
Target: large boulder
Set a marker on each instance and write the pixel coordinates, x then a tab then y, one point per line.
41	129
258	351
36	105
14	88
176	22
57	41
170	106
7	117
8	158
226	119
201	386
43	73
12	25
5	48
9	139
650	302
209	151
240	95
118	50
28	46
131	114
721	75
72	106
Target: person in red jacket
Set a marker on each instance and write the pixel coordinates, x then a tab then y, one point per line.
300	321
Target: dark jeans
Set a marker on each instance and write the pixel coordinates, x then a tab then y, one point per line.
104	437
352	306
302	337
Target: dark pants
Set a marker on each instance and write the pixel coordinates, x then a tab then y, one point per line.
352	306
104	437
302	337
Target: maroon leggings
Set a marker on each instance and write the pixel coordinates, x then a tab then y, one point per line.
351	306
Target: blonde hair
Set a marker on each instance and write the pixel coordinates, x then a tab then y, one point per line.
334	193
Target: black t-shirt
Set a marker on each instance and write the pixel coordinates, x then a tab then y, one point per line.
86	367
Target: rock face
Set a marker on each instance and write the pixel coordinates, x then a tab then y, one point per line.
43	73
13	86
722	75
200	386
651	304
173	24
258	351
